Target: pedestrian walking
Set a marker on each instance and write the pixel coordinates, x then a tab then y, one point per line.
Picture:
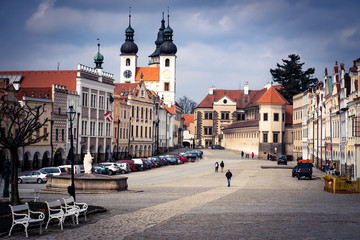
252	155
242	154
222	166
228	176
216	167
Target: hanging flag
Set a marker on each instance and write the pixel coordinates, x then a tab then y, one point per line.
108	116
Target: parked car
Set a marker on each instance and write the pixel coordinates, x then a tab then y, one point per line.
164	159
113	168
124	167
100	169
129	162
33	177
217	147
304	169
147	164
139	164
173	160
54	171
178	158
198	152
158	162
191	156
282	160
77	168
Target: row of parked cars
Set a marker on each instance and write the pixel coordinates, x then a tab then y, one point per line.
112	168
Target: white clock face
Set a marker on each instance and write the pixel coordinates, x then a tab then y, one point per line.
127	74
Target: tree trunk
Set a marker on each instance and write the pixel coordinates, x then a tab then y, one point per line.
15	199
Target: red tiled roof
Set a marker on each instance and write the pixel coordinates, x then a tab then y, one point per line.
41	79
288	114
272	96
243	124
124	87
170	109
207	102
149	73
34	92
188	118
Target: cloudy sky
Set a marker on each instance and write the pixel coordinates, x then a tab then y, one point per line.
220	43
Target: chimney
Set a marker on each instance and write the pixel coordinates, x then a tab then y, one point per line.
211	90
268	85
246	88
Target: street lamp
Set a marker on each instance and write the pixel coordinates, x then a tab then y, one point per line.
117	140
71	113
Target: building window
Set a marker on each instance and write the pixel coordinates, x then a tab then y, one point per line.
207	130
224	115
92	128
108	128
146	113
101	128
85	99
276	117
208	115
124	114
137	112
150	114
265	137
141	131
142	113
62	135
275	137
283	117
101	102
167	62
166	87
146	132
45	133
149	132
93	101
120	132
56	134
137	131
128	62
265	116
132	111
83	127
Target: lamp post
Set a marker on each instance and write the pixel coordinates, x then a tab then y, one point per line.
117	140
71	113
157	120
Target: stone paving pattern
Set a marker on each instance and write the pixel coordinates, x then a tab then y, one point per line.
260	204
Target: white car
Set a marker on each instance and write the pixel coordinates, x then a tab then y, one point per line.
33	177
113	168
124	167
54	171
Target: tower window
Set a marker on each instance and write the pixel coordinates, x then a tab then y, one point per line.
166	86
167	62
128	62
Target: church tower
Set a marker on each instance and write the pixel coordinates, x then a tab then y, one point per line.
155	56
128	57
167	64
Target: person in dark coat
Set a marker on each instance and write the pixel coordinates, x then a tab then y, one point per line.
222	166
228	176
216	167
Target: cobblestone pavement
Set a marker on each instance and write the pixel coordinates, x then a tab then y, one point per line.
192	202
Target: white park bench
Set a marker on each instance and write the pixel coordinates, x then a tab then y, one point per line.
80	207
56	211
21	214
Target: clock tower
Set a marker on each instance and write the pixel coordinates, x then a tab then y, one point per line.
167	81
128	57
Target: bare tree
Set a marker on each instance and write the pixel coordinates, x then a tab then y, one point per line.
187	104
20	126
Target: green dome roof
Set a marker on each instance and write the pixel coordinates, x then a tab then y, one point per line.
98	58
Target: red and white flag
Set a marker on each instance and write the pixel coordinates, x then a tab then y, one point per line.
108	116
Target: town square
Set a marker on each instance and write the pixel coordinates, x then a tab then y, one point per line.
179	120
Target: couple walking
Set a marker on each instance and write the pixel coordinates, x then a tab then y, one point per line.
221	165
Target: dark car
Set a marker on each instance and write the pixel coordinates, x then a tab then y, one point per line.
172	160
294	171
147	164
158	162
304	170
100	169
130	162
282	160
164	160
191	156
217	147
